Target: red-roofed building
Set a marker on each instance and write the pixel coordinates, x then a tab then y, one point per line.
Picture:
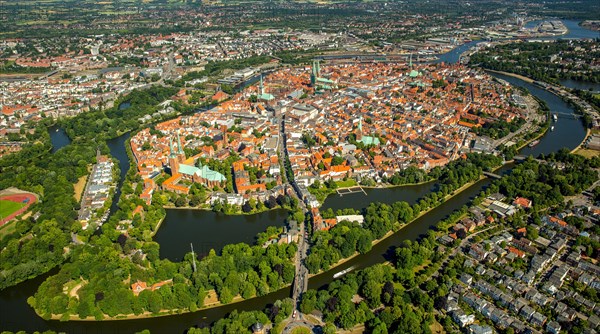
522	202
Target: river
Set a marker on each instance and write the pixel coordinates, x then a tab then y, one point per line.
209	230
17	315
583	85
575	32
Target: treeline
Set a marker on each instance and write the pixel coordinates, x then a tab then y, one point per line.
9	67
345	238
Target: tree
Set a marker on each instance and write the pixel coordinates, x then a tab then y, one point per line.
225	296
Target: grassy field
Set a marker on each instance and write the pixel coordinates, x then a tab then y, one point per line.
79	187
301	330
587	153
8	228
347	183
8	207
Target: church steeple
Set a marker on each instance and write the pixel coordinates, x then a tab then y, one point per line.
359	133
179	146
173	160
262	87
171	149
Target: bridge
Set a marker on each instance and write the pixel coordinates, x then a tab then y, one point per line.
492	175
567	115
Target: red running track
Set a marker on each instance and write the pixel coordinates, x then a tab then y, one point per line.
19	198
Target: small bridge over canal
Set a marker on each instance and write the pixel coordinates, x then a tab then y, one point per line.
492	175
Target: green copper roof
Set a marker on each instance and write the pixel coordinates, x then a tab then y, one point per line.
368	140
203	172
266	96
414	74
325	80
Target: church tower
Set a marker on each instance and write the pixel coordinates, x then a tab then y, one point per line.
173	160
224	130
359	133
315	73
180	151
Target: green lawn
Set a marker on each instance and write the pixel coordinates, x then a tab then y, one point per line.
301	330
8	207
347	183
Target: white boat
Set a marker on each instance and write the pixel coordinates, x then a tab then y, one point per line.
343	272
552	128
555	117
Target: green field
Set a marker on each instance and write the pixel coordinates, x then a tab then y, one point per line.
301	330
8	207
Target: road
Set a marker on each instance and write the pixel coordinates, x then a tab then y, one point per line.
300	284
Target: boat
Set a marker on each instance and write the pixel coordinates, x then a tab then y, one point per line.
555	117
552	128
343	272
533	143
56	130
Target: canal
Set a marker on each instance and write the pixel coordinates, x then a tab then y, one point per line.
118	151
15	314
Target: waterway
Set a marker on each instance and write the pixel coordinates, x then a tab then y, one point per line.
410	194
117	150
209	230
58	138
583	85
15	314
575	32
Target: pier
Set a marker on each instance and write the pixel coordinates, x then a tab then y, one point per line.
351	190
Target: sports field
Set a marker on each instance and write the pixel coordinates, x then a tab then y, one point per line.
14	204
9	207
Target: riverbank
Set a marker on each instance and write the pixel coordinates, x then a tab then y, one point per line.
212	303
392	232
210	209
514	75
580	146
